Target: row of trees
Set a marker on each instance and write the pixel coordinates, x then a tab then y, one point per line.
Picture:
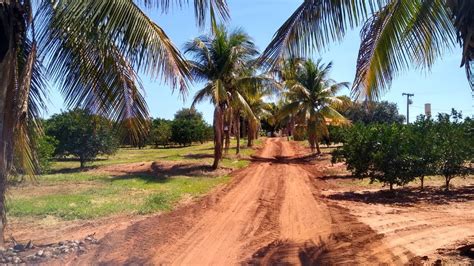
396	154
82	135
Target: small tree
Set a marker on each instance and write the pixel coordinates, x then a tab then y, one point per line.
453	142
423	155
160	133
45	146
188	127
391	159
380	152
82	135
359	145
373	113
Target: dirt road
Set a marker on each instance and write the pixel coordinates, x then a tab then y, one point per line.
273	212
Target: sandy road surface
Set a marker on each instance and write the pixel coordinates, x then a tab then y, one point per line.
273	212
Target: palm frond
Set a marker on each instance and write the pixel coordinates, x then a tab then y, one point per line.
121	23
315	24
402	33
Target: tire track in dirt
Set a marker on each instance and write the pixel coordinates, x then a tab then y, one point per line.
417	231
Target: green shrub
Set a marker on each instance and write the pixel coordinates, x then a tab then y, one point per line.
396	154
82	135
45	147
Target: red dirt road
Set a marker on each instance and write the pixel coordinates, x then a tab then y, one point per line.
274	212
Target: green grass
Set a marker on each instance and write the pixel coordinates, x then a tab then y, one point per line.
89	195
184	154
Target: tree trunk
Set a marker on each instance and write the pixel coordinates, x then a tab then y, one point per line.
218	135
237	133
7	105
250	134
422	179
391	186
448	179
228	124
83	163
317	146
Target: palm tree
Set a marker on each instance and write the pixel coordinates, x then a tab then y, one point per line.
311	98
91	50
222	60
261	110
396	34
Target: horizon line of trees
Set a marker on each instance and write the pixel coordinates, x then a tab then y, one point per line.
82	135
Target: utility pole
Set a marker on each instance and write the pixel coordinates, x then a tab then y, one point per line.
409	101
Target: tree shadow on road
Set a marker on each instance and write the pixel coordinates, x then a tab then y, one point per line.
158	172
409	196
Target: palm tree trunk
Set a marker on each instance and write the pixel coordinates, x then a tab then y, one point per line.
237	133
7	95
317	146
228	124
218	135
250	134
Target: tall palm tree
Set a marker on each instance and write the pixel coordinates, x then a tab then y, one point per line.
91	50
311	98
396	35
261	109
221	60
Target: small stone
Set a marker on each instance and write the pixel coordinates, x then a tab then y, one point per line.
47	254
9	259
40	253
81	242
82	249
88	238
66	250
16	260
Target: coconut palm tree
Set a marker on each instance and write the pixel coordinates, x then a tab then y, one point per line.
311	98
222	61
91	50
396	35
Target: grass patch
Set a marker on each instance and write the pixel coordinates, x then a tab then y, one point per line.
72	194
195	153
127	196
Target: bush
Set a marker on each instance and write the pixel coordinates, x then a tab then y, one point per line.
373	113
453	140
397	154
82	135
45	147
188	127
160	133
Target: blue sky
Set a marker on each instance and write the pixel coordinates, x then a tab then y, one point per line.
445	86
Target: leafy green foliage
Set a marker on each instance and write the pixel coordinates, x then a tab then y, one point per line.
396	154
311	97
45	147
160	133
188	127
454	153
375	112
82	135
